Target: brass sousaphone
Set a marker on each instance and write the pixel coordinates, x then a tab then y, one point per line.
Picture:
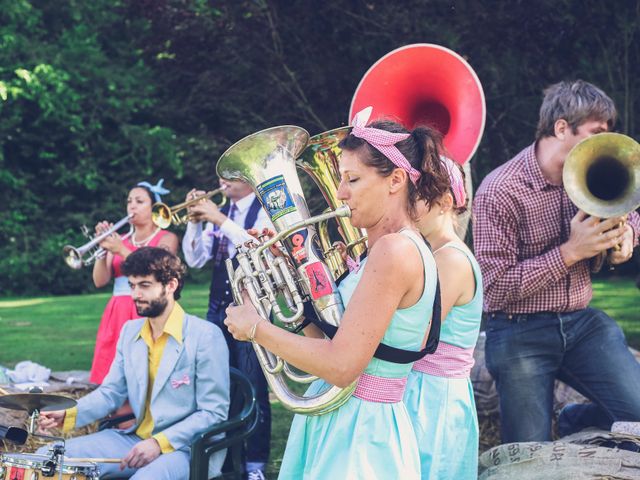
426	84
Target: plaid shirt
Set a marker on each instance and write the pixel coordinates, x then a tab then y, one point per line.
520	222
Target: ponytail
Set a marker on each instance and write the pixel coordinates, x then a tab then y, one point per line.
434	181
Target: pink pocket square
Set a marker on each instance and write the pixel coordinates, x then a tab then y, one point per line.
183	381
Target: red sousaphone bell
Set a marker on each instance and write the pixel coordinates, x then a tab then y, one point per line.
425	84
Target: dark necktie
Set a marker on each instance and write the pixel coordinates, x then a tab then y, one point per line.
223	245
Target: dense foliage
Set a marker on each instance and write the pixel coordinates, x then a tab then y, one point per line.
95	96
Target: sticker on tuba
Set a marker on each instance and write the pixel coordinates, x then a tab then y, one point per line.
296	246
319	281
16	473
275	197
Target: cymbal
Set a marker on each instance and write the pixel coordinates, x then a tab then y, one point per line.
36	401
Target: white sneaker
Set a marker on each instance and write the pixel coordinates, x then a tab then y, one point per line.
256	475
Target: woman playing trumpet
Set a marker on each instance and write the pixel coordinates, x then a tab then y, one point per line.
121	307
389	298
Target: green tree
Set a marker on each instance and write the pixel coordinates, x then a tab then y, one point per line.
75	132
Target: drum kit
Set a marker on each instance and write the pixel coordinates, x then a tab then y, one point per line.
20	466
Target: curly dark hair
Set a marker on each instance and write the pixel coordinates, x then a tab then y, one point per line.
422	149
160	263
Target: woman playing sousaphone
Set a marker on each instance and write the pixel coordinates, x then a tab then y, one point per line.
389	297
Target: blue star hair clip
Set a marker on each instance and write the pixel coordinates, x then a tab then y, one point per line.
156	189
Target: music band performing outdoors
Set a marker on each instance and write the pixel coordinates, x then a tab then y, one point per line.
363	320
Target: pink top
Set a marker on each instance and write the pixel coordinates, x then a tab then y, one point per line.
117	259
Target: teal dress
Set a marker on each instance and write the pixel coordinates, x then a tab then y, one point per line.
364	439
443	410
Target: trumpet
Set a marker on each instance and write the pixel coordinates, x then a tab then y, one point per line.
164	216
75	256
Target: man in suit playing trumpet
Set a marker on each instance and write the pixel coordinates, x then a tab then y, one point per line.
212	235
173	367
534	247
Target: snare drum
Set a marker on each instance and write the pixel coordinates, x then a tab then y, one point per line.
17	466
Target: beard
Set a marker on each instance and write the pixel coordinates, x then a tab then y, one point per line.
153	308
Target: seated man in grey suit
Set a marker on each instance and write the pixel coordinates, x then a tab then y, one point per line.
173	368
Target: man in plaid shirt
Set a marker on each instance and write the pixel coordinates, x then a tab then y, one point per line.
535	247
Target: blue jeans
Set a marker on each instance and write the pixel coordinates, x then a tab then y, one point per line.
243	357
586	349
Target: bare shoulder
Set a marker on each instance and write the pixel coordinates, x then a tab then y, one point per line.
169	241
452	259
170	236
451	255
456	275
398	253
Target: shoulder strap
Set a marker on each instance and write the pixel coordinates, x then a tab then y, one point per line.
156	239
448	244
400	355
384	351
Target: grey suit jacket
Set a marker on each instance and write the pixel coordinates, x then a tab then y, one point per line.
191	388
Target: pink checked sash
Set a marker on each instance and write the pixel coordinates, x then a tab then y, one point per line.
380	389
448	361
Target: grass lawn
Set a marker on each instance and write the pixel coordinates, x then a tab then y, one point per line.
621	300
59	332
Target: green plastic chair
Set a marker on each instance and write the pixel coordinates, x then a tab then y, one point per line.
242	422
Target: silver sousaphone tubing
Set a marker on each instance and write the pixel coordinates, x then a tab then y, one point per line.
279	285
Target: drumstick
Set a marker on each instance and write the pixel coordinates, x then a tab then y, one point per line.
3	392
92	460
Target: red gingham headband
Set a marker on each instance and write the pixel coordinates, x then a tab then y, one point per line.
383	141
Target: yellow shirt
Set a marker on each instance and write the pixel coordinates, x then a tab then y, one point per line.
172	327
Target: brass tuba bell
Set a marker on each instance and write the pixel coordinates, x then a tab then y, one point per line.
320	161
427	84
601	175
278	285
